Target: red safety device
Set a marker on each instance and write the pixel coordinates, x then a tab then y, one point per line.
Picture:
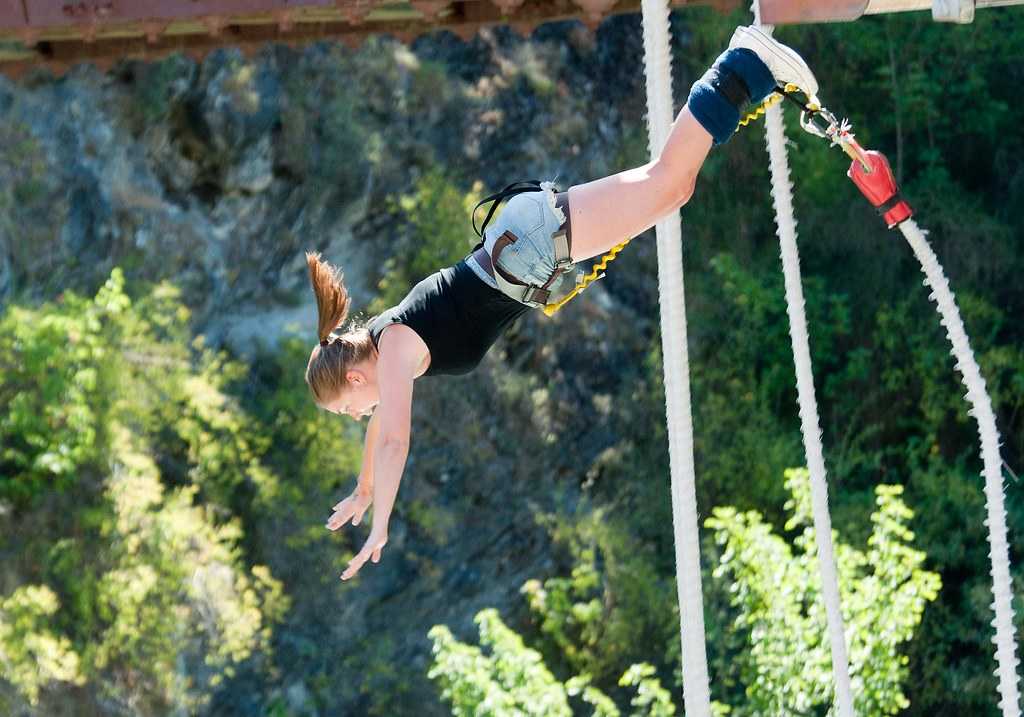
879	186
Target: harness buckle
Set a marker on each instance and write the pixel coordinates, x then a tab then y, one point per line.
536	297
561	242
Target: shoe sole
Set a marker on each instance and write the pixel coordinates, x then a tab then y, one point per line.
777	50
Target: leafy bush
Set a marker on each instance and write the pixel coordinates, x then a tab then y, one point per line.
437	215
139	591
511	678
787	669
883	591
608	611
31	653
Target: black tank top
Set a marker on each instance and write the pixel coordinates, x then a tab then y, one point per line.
456	314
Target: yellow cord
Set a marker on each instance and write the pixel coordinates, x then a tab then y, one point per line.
600	266
594	275
773	98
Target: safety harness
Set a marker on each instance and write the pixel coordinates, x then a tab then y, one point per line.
530	294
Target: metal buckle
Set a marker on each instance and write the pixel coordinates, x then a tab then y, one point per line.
524	294
561	242
532	293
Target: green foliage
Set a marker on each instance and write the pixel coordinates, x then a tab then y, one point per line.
777	593
56	383
32	655
606	613
580	686
436	215
570	619
883	590
743	376
514	678
148	579
323	138
511	679
224	452
652	700
71	368
174	576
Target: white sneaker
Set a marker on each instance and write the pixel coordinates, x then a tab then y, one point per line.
785	64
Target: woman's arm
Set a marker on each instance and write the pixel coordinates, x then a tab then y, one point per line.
399	358
355	506
365	484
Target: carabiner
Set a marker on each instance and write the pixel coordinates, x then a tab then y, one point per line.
809	119
822	123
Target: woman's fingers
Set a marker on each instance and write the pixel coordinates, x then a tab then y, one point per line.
341	516
371	550
352	569
357	562
336	520
359	514
352	507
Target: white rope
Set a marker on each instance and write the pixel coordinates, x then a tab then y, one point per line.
658	71
782	197
783	200
1006	648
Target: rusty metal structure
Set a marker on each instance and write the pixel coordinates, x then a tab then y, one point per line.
61	33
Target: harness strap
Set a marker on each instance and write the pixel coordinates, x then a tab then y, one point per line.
730	85
530	185
889	204
530	294
562	247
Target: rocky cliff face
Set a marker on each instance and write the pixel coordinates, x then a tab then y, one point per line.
174	171
216	176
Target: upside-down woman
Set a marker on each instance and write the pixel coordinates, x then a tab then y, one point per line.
448	321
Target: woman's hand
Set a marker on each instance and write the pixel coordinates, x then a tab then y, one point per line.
400	355
371	549
352	507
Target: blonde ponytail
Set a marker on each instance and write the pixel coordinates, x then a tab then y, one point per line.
331	358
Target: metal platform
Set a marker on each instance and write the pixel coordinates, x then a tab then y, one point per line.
62	33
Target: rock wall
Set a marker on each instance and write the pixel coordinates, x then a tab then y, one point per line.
217	176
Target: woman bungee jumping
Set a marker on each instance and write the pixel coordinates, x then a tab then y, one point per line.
449	320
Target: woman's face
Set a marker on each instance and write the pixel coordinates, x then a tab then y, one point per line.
361	396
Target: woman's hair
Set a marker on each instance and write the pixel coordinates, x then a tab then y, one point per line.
334	354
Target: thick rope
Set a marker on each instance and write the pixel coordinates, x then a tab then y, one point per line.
981	409
782	198
657	68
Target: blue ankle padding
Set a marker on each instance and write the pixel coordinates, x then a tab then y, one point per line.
715	113
748	65
710	107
